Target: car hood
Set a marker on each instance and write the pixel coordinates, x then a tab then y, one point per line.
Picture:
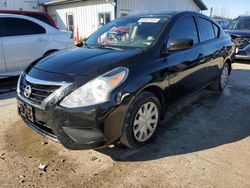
239	33
87	61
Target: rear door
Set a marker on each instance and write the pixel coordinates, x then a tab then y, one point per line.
214	47
187	69
2	63
24	41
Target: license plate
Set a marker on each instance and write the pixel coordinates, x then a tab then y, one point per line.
26	111
237	50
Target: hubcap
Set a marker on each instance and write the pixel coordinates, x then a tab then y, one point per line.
224	77
145	121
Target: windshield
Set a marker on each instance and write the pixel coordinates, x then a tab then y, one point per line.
240	24
128	33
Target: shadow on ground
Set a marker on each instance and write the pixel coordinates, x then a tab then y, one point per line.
8	87
206	120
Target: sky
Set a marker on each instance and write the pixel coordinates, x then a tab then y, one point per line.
228	8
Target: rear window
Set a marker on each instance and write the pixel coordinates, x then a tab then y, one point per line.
41	18
18	26
216	30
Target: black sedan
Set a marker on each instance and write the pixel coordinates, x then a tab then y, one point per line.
117	88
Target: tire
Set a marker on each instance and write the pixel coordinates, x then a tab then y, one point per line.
222	80
140	125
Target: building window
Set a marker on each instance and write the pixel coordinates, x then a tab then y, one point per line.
104	18
70	21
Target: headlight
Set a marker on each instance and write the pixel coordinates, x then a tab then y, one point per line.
97	90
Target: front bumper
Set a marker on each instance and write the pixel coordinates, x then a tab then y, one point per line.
82	128
243	53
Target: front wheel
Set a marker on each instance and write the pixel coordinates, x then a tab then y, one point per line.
221	82
141	121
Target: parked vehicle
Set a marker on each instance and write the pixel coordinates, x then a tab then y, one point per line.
42	16
239	29
24	39
112	91
222	23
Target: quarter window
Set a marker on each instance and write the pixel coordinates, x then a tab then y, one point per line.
185	29
18	26
216	30
207	29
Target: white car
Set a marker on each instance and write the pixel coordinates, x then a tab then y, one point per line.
24	39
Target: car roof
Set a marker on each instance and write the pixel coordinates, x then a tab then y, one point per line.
16	16
4	15
244	17
163	13
23	12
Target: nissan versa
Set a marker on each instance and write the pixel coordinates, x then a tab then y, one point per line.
117	87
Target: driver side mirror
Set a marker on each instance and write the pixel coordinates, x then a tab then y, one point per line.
177	45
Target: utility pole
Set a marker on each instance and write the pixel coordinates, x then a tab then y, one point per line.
211	12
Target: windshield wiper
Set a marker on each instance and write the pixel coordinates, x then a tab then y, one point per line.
103	46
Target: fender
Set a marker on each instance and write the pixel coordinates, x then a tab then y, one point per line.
53	46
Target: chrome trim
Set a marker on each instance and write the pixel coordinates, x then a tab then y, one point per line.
43	82
18	83
124	96
243	57
52	96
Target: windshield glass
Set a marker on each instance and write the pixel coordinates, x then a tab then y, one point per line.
138	32
240	24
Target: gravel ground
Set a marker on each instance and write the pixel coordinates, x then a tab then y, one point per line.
204	142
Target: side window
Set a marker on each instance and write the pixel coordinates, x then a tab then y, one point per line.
216	30
185	29
207	29
17	26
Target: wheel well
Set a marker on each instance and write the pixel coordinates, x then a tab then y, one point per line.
159	94
49	52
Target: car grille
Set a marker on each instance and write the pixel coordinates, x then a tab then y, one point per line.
38	92
241	42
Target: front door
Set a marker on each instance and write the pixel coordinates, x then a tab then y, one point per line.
187	69
23	42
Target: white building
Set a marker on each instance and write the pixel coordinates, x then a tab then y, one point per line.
89	15
31	5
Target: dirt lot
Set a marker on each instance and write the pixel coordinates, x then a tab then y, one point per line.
206	144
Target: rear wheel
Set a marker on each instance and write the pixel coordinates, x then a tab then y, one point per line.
141	121
221	82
